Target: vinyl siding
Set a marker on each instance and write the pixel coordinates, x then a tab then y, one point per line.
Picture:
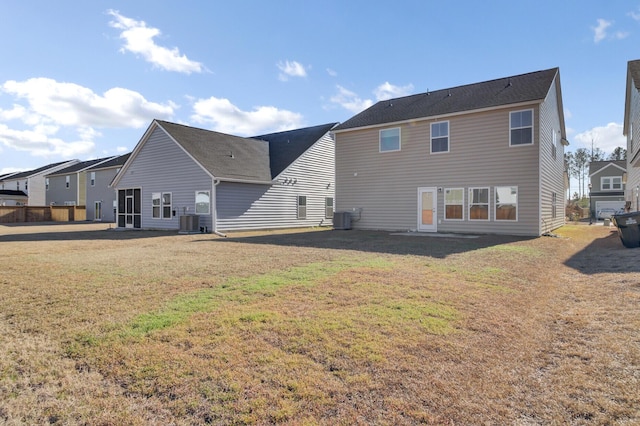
383	186
58	194
36	192
249	206
633	171
101	192
162	166
551	169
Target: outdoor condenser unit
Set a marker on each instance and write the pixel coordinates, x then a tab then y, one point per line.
189	223
342	220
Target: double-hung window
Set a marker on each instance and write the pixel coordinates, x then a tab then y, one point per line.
440	137
92	178
611	183
478	203
554	144
67	181
161	205
328	207
46	184
390	140
453	203
302	207
521	127
506	203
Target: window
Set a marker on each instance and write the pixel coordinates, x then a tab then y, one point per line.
453	203
478	203
328	208
203	202
67	181
440	137
390	140
93	178
17	185
554	200
521	126
554	144
26	185
302	207
611	183
46	184
166	205
155	205
506	203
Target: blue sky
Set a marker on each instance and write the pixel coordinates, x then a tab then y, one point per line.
84	79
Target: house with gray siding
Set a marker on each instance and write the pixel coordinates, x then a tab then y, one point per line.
180	174
67	186
31	183
607	183
631	130
101	197
480	158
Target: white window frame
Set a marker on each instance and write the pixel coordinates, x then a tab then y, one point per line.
165	206
554	146
471	203
328	207
46	184
17	185
511	127
208	211
440	136
446	191
301	210
156	208
389	130
495	203
92	178
67	181
611	180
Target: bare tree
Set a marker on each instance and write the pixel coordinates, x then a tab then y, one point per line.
618	154
580	167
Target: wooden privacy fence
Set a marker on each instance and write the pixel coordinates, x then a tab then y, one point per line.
21	214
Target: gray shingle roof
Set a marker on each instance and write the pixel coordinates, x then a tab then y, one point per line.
594	166
29	173
224	156
12	193
504	91
79	166
114	162
285	147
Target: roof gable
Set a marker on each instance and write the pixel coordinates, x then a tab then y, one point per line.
596	167
521	88
286	147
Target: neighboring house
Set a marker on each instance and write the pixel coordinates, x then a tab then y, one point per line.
101	197
607	185
278	180
66	187
631	130
481	158
32	183
9	197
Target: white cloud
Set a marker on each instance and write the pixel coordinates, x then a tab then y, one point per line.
291	69
387	91
600	32
331	72
44	108
122	149
634	15
350	100
139	39
228	118
607	138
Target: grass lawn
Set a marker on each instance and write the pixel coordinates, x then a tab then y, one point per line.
317	327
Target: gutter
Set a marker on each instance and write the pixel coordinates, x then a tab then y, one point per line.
214	217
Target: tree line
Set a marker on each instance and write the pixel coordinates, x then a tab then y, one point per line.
578	164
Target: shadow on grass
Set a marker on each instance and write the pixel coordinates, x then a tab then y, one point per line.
376	242
606	255
36	234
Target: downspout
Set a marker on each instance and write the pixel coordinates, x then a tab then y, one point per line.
214	217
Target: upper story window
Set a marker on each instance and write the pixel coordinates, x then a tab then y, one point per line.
440	137
67	181
93	178
390	140
554	144
17	185
46	184
611	183
521	127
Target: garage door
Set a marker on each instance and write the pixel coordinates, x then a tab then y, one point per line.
616	205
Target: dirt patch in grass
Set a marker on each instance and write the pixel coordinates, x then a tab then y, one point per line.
312	326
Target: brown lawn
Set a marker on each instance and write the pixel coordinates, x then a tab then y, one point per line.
317	327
